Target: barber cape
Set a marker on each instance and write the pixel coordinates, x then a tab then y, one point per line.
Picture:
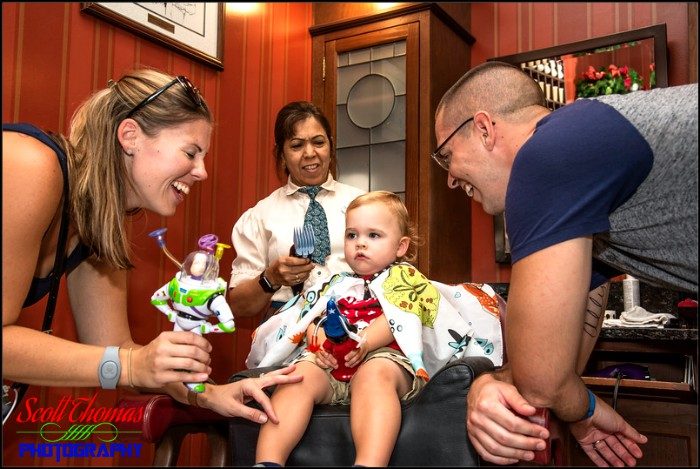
433	323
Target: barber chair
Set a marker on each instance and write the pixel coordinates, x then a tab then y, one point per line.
433	430
166	422
433	427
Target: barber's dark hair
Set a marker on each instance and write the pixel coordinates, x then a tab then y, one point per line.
287	118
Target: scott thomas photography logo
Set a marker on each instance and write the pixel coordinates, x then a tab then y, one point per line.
77	428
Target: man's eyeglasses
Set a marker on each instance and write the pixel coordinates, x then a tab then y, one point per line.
192	93
444	161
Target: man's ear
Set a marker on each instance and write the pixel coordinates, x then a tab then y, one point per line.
485	126
127	133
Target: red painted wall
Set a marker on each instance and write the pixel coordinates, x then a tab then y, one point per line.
505	28
54	56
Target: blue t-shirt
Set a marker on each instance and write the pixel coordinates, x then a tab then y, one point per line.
582	162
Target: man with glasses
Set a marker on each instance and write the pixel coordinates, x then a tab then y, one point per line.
598	188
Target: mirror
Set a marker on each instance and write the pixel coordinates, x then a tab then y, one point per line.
629	61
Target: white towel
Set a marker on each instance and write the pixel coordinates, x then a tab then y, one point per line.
639	317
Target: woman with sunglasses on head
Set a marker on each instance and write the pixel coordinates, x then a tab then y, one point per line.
138	144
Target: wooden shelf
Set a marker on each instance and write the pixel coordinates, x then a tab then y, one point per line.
642	386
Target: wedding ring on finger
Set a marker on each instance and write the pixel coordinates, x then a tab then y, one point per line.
595	445
262	375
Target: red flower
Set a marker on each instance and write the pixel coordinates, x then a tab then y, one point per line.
590	73
628	82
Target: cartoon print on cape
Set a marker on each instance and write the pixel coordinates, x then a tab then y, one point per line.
432	322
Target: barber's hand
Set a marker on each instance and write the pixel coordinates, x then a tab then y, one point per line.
230	399
175	356
289	270
607	438
497	433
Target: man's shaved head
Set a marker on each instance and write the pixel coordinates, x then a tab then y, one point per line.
496	87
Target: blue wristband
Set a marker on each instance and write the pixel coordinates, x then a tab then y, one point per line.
591	405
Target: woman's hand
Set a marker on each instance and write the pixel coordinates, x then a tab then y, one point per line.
289	270
230	399
175	356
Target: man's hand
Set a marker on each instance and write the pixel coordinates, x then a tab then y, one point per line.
498	434
607	438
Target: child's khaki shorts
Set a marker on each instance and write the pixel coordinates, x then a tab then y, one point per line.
341	389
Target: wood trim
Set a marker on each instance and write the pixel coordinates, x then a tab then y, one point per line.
639	384
692	42
657	32
334	26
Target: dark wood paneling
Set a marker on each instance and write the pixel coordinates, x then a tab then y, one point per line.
448	241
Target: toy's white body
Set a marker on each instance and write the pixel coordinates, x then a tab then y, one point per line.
193	296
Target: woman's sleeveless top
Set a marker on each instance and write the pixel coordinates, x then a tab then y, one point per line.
40	286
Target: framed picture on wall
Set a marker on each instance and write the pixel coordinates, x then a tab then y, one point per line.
195	29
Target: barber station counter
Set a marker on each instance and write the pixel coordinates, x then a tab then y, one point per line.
647	334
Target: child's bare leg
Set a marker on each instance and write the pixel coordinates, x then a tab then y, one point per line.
293	404
375	410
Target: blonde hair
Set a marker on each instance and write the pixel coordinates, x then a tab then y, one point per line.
399	211
97	171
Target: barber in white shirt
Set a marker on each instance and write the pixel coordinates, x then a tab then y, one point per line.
263	271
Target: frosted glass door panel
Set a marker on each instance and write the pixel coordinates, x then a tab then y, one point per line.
394	127
370	101
349	135
347	77
394	70
371	117
353	166
388	167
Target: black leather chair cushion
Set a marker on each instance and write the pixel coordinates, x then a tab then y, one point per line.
433	428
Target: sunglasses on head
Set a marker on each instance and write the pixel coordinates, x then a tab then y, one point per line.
192	93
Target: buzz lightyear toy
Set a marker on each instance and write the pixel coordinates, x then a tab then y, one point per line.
196	292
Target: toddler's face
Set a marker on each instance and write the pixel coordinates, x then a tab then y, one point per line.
373	239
